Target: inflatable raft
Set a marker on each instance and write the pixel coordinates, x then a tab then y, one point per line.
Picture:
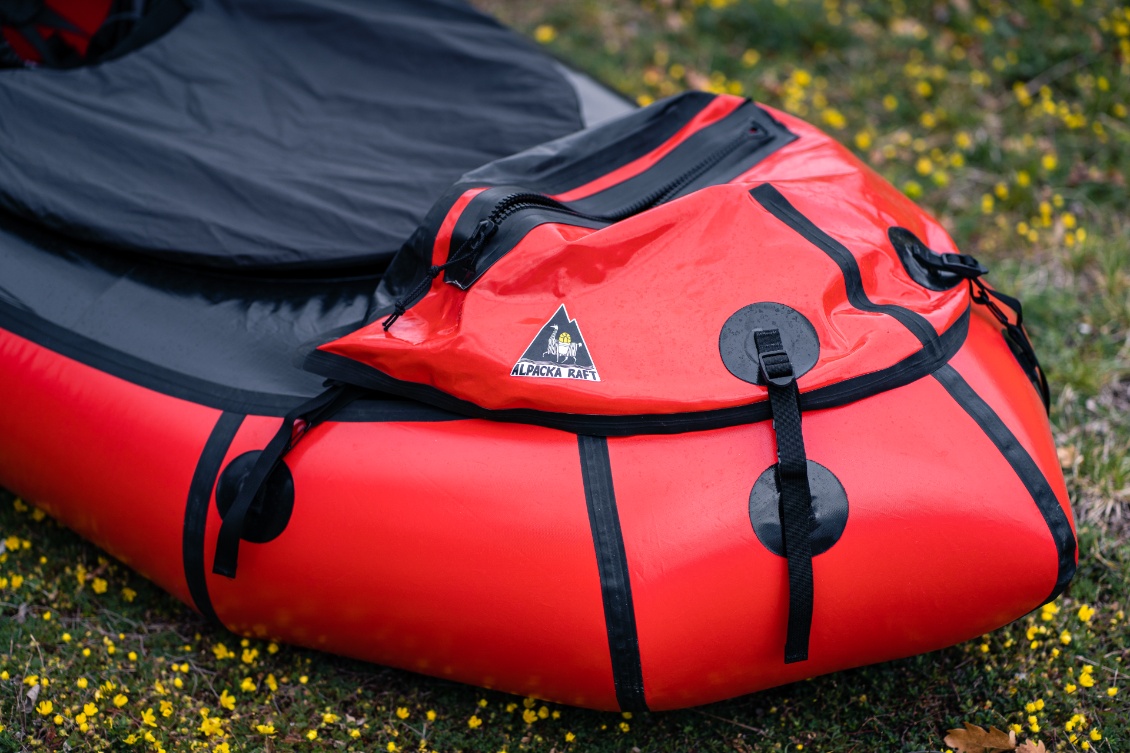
399	360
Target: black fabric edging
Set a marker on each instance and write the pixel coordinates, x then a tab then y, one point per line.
612	563
778	206
1026	469
918	364
196	510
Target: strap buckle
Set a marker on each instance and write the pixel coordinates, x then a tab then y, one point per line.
962	265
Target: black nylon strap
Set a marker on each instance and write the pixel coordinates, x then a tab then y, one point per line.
792	481
294	425
1020	345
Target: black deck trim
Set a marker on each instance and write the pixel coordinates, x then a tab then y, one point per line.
1026	470
918	364
777	205
193	389
196	510
615	582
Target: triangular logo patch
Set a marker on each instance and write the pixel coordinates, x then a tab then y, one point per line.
558	352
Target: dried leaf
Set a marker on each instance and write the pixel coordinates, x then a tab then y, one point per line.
33	694
974	739
1032	747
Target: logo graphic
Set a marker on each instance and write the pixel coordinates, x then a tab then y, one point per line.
558	352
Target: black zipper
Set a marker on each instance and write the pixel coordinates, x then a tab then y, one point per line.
464	267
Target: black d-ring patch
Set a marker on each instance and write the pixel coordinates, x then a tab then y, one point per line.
270	512
739	351
915	257
829	509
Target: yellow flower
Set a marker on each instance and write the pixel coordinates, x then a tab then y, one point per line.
90	709
402	712
222	748
474	722
1112	692
221	651
331	718
570	737
529	716
624	727
148	717
391	747
1069	688
121	700
1065	637
545	33
248	685
355	733
166	708
1096	735
99	585
211	725
312	734
272	683
431	715
227	700
1049	162
249	655
1086	680
890	102
129	594
45	707
265	729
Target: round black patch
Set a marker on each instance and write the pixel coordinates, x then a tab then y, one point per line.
739	352
829	509
270	512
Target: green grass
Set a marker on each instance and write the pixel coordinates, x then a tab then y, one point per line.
1006	120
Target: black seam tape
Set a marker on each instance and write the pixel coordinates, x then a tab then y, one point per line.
1026	469
612	564
778	206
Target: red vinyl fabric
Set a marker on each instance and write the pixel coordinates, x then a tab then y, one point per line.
600	567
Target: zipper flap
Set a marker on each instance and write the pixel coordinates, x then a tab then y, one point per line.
625	311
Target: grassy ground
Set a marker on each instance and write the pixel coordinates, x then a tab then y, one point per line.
1007	120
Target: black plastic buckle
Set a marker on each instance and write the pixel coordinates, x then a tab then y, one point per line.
773	360
962	265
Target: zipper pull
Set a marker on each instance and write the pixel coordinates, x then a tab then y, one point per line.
464	257
463	261
482	234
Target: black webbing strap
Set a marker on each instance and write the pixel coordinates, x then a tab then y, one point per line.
792	481
294	426
1014	332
